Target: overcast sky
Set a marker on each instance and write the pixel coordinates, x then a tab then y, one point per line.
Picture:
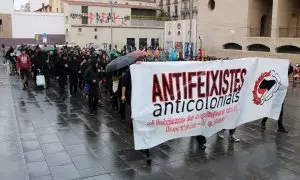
18	3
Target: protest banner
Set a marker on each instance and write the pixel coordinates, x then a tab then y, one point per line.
181	99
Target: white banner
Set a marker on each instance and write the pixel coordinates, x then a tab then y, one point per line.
180	99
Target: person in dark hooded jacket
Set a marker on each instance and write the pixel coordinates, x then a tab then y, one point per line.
53	58
84	64
74	68
62	69
92	79
38	62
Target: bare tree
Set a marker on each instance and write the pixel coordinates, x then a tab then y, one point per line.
25	7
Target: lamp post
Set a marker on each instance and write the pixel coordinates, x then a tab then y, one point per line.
201	48
191	21
111	2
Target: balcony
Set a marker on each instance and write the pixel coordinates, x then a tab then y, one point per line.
289	32
161	3
185	11
195	10
156	18
147	23
258	32
175	15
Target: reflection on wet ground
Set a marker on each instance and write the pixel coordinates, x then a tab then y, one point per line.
43	138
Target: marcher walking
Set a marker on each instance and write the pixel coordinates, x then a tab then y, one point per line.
74	69
62	69
84	64
24	68
11	62
2	54
91	78
38	63
281	128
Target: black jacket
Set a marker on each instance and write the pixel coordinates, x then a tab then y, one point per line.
61	69
84	66
38	61
91	74
291	69
74	67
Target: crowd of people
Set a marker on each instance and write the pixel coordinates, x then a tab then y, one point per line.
84	69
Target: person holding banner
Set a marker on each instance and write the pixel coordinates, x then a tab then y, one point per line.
231	136
126	98
281	128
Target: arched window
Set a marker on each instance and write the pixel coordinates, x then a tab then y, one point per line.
258	47
288	49
233	46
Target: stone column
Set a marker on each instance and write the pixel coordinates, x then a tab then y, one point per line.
275	13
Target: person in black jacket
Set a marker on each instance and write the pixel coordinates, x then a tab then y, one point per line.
53	59
38	62
62	69
281	128
83	65
92	79
74	68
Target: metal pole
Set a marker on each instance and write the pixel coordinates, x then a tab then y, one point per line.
191	20
111	24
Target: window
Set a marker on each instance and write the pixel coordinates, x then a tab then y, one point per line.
142	43
154	43
258	47
176	10
233	46
43	5
1	25
56	9
84	10
95	37
169	10
79	29
211	4
67	19
96	29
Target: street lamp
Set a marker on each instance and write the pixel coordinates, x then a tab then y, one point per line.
111	3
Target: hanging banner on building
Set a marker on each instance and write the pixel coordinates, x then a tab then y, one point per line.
182	99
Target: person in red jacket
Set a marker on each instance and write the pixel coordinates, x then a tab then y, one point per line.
24	68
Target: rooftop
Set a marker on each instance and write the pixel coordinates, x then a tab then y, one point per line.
89	3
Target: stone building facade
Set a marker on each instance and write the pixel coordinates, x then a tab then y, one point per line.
90	22
269	28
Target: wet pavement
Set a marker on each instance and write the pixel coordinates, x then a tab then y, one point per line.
43	138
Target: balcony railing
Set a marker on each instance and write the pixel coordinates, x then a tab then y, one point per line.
185	11
175	15
289	32
258	32
195	9
161	3
156	18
